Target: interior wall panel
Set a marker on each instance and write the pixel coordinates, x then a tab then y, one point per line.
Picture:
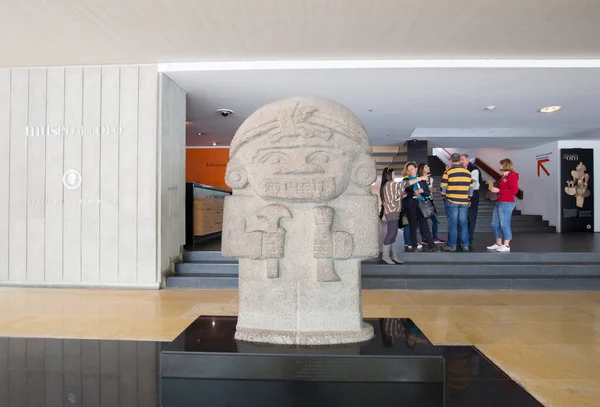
148	269
101	123
72	162
36	174
4	171
90	174
172	146
127	137
109	175
55	117
19	100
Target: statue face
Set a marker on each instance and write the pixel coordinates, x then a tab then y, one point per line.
301	174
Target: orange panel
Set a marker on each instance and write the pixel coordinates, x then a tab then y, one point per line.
207	166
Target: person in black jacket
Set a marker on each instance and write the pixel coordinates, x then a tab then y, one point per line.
413	189
428	190
474	204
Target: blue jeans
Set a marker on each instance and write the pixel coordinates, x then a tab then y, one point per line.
501	220
457	222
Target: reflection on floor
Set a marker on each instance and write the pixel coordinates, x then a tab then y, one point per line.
549	342
55	372
522	242
400	363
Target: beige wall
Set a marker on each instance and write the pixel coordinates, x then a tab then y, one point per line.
101	122
172	104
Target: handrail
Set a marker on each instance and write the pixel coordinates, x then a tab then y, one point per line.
494	174
447	152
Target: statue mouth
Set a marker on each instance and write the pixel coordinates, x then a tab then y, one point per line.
316	188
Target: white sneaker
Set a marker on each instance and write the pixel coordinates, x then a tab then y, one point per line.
494	247
503	249
419	246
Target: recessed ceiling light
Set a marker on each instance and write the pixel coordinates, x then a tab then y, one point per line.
199	134
214	144
490	107
550	109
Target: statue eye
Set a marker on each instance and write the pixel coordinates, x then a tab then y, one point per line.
318	158
274	158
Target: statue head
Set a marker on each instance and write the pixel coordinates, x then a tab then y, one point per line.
301	149
580	167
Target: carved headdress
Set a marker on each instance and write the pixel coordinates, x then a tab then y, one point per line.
303	118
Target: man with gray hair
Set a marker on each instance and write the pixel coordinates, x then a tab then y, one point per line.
474	207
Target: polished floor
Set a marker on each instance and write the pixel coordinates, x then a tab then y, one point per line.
549	342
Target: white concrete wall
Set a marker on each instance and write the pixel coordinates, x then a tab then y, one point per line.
541	194
102	123
172	102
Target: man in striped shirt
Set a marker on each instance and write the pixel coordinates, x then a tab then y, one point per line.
457	189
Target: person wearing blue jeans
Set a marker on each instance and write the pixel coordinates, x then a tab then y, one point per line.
458	225
501	224
507	188
457	189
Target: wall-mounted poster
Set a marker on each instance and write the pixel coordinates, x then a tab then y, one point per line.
577	195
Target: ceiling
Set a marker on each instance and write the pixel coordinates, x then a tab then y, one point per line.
443	105
91	32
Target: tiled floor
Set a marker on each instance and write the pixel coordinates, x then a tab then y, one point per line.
547	341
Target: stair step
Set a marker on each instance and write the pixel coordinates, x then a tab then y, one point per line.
202	282
537	258
429	271
515	229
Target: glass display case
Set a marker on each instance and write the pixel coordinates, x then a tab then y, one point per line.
204	211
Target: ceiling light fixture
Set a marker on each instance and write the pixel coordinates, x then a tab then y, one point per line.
490	107
199	134
214	144
550	109
374	64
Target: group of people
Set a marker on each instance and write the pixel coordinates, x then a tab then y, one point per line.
459	188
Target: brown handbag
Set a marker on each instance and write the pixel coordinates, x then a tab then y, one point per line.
489	195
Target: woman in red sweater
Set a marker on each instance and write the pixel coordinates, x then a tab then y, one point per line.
508	186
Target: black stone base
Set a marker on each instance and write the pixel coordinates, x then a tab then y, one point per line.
205	366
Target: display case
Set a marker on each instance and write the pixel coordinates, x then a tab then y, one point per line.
204	211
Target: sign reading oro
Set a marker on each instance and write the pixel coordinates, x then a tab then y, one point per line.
300	220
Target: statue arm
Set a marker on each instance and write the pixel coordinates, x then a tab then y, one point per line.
236	242
363	228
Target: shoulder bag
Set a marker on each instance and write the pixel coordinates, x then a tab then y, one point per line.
426	208
489	195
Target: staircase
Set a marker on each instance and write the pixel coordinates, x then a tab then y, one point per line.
519	223
427	271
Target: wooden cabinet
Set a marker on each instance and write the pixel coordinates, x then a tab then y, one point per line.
208	216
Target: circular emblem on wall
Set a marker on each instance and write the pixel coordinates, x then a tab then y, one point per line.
589	227
72	179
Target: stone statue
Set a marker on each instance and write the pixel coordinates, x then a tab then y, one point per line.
578	187
300	220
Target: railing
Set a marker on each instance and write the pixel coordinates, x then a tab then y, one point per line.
494	174
486	168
